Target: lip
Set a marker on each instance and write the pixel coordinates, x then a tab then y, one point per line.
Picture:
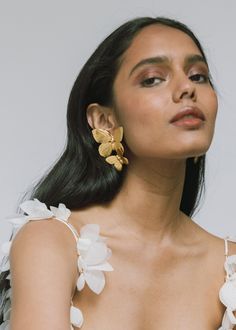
194	111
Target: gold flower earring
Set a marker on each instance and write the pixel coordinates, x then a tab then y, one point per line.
110	143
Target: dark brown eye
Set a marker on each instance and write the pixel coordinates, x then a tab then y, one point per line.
153	81
200	78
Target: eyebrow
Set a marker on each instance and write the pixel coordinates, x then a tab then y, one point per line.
189	60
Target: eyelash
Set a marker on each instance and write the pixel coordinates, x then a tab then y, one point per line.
144	82
200	75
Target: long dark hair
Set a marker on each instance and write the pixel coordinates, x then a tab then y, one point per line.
81	177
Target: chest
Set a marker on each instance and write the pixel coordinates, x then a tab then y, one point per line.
154	294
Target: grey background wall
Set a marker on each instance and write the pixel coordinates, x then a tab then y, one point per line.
43	46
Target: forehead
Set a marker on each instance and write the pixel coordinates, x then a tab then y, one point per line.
159	40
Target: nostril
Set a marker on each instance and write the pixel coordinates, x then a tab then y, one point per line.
185	91
189	92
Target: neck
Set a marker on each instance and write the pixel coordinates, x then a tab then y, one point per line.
149	201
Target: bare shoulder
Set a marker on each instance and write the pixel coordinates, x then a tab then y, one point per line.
43	270
213	244
217	244
44	236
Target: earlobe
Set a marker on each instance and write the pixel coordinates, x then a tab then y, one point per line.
99	116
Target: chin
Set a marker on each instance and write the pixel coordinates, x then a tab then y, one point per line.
184	154
196	148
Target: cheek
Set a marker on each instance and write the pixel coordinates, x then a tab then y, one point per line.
143	119
140	108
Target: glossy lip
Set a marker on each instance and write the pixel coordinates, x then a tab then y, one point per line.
194	111
192	123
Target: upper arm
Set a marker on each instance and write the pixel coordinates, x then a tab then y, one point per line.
43	270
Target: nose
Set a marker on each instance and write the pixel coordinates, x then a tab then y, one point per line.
185	89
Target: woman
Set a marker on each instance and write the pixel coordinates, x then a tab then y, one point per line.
149	81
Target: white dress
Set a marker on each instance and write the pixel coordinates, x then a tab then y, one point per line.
93	255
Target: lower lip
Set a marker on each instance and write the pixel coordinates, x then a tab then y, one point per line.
188	122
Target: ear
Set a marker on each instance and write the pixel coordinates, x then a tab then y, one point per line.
99	116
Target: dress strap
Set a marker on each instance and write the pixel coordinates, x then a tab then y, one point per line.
227	240
226	247
72	228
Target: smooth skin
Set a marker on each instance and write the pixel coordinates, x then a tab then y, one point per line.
167	269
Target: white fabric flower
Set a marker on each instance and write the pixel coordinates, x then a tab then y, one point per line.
76	317
61	212
229	320
92	261
5	247
230	265
4	264
36	210
4	260
5	325
227	294
18	220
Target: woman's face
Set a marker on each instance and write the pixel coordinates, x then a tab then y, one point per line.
161	74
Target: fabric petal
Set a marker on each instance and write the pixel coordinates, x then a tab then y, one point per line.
61	212
230	265
90	231
105	266
5	325
227	295
8	277
8	293
81	264
36	209
83	244
5	265
228	321
95	280
76	317
226	324
109	253
232	318
7	310
5	247
80	282
18	220
96	254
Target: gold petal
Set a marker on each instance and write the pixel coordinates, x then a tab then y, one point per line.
118	134
105	149
125	161
101	135
117	146
118	166
114	160
111	160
